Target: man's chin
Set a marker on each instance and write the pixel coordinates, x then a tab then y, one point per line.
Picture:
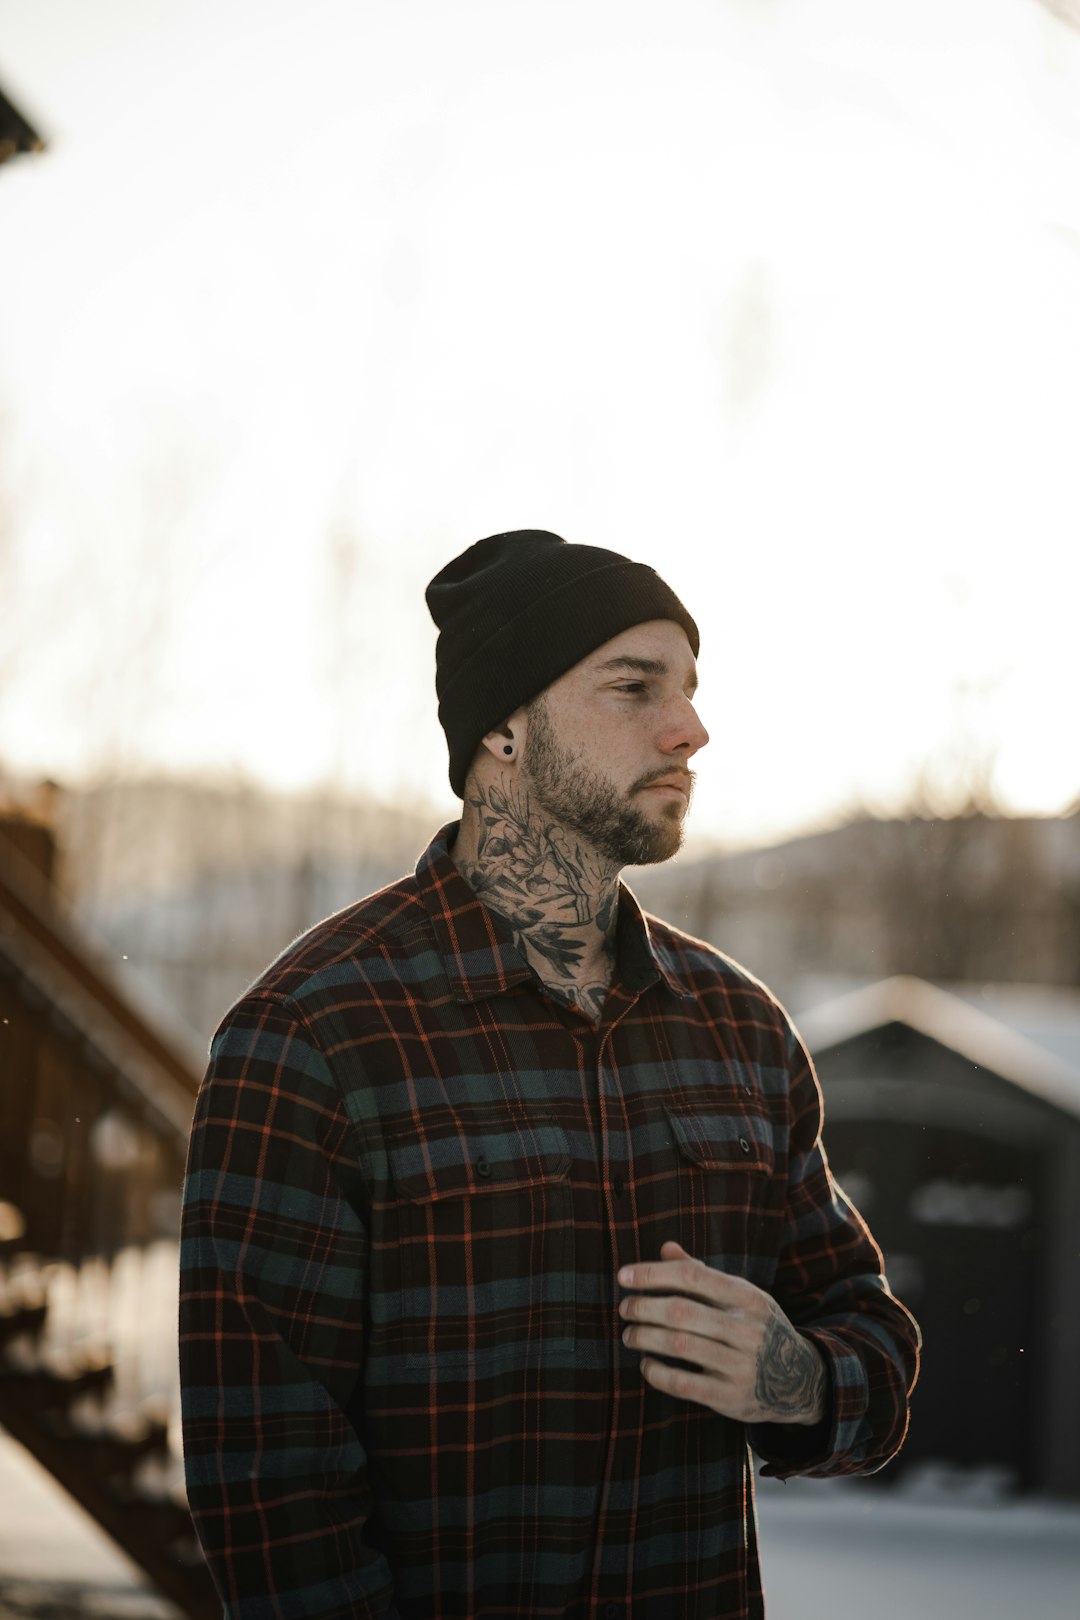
663	840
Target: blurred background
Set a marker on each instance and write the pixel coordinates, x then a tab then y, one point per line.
782	298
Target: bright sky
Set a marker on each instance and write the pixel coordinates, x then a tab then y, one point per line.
781	296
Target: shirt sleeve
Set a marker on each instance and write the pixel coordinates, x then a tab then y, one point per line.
272	1281
830	1281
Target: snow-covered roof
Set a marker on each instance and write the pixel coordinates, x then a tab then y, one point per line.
1048	1014
953	1022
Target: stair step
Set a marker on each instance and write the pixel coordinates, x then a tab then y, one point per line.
12	1229
117	1449
23	1319
159	1515
42	1389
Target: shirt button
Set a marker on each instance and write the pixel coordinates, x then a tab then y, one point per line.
618	1186
482	1166
744	1144
612	1611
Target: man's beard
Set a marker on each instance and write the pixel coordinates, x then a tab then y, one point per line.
588	804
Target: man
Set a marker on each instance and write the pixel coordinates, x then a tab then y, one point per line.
507	1220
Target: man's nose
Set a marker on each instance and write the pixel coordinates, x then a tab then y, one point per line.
685	732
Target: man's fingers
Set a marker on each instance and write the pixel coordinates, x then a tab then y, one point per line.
714	1355
705	1389
682	1314
692	1277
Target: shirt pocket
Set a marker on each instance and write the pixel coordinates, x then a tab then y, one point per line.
727	1192
487	1244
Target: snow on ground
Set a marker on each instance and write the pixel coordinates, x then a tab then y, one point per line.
850	1550
55	1562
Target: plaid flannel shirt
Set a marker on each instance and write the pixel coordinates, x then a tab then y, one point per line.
412	1179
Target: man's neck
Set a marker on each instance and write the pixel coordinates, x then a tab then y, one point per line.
559	897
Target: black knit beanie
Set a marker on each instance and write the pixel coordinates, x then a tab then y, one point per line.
516	611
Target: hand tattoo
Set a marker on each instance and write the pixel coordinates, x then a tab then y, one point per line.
790	1377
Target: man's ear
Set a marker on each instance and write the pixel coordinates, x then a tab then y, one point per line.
506	741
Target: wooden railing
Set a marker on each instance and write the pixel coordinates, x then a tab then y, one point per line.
95	1105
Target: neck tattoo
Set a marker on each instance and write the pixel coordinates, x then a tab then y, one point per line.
559	898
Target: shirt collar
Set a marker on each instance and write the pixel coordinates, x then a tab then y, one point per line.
642	959
477	945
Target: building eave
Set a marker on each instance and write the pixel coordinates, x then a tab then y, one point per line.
945	1019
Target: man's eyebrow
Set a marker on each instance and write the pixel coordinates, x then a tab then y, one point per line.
642	666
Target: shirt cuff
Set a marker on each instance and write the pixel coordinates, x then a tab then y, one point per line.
795	1448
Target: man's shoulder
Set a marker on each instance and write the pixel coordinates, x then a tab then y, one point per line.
389	923
705	971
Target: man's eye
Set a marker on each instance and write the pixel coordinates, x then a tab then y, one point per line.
631	686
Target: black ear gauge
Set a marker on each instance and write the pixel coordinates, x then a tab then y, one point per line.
508	748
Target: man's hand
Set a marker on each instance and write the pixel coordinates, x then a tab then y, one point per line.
755	1366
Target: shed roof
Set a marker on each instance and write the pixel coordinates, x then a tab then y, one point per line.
953	1023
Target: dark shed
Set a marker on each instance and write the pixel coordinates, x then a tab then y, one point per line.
960	1141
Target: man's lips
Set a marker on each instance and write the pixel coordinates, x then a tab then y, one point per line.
673	786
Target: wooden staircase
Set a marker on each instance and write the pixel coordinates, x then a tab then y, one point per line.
94	1108
60	1411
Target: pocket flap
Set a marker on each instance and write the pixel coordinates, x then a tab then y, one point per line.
484	1153
722	1141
